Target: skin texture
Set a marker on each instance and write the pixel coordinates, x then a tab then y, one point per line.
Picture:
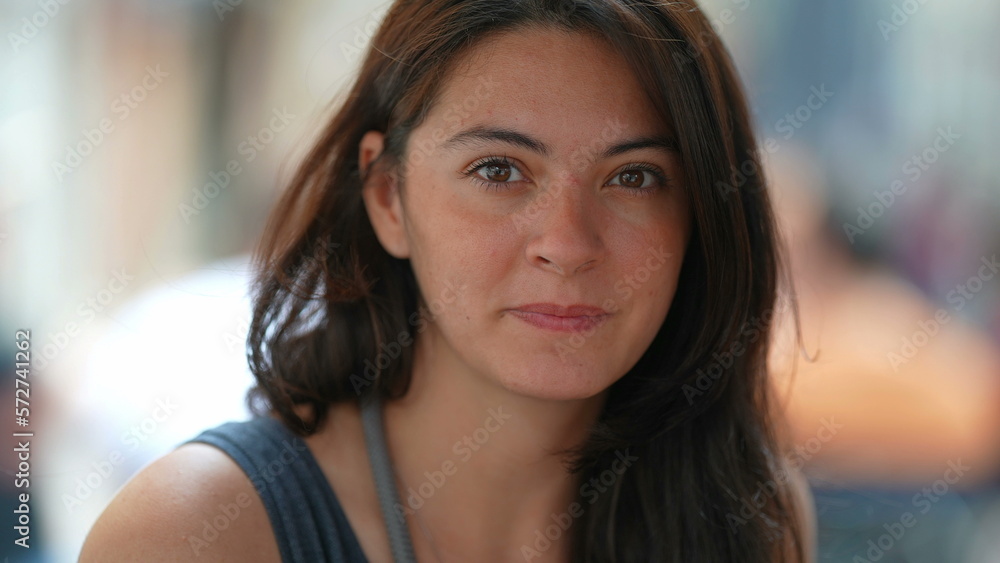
564	230
491	396
155	515
556	233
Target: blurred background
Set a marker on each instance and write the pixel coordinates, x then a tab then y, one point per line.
142	143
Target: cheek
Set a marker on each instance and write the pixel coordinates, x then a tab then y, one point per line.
457	250
649	272
653	276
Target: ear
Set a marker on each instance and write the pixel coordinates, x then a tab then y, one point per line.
382	198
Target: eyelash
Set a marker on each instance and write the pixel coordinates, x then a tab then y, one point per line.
504	160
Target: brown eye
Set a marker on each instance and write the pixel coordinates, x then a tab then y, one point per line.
640	178
632	178
497	172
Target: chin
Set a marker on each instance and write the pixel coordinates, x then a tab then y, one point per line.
566	382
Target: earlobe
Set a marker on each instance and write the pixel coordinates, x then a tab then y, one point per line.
380	192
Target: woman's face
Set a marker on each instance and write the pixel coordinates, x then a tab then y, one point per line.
543	214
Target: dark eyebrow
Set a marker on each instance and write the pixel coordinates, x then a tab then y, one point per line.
480	134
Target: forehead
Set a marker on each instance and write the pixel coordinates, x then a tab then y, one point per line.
558	83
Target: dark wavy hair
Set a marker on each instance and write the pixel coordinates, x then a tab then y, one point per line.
328	299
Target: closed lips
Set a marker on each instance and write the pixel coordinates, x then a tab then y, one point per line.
562	310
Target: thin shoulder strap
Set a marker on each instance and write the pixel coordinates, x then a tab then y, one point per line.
385	482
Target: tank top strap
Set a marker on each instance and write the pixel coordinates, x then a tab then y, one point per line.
308	522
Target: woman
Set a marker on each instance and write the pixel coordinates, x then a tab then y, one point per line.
519	255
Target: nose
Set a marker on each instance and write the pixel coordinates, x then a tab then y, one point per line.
565	231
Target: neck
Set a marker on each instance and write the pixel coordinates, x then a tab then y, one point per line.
478	464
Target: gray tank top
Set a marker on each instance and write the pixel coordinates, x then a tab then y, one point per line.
308	522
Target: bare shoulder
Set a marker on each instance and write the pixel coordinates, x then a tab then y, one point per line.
193	502
805	507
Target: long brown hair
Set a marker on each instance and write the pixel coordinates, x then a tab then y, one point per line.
330	302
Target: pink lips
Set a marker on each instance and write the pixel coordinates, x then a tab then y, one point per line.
572	318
